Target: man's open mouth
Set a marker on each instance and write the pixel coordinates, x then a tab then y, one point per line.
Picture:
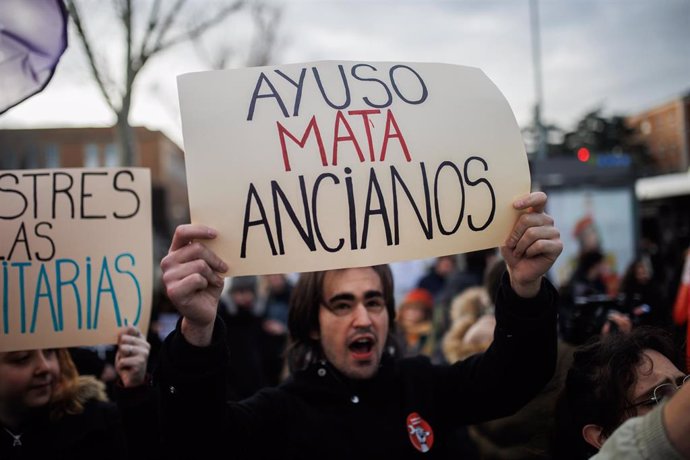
361	348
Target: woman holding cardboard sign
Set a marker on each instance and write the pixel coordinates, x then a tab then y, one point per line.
48	410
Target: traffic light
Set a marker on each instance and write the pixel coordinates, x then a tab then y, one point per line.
583	154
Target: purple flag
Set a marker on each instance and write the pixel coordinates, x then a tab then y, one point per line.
33	36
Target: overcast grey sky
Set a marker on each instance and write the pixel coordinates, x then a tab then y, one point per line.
622	55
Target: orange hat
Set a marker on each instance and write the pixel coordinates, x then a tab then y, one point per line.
581	225
420	295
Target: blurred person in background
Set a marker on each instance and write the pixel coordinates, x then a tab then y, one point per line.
253	351
589	276
274	293
407	274
435	279
586	308
640	295
414	326
468	274
588	235
612	379
465	311
471	273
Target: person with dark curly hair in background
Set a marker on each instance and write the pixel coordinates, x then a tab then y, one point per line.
613	379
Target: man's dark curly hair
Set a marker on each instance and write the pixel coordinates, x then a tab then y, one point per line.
599	383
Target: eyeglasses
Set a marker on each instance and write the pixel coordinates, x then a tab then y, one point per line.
345	307
662	392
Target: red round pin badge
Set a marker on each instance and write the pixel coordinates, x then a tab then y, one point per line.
420	432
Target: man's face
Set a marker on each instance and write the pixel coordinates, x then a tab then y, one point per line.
353	321
654	369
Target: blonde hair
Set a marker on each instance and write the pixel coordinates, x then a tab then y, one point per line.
471	302
73	390
465	309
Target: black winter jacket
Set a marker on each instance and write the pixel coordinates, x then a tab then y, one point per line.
96	433
408	410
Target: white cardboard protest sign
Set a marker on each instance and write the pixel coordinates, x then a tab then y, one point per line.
76	256
319	165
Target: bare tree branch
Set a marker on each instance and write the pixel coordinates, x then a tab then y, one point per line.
151	23
200	28
131	71
120	6
162	29
218	58
165	25
76	18
266	19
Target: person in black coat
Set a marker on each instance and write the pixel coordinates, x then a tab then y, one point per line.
641	296
347	396
252	350
49	410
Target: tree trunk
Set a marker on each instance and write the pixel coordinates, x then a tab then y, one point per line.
126	142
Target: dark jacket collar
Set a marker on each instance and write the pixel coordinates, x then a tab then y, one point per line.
322	381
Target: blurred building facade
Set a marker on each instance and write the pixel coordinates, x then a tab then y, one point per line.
95	147
665	130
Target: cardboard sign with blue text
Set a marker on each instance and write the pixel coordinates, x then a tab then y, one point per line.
75	255
329	164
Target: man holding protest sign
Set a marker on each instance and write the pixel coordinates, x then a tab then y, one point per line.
347	397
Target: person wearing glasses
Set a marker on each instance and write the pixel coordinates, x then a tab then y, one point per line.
617	379
661	433
348	396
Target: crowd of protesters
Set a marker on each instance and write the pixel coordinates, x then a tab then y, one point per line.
256	369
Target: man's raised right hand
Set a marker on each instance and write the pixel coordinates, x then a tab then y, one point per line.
192	275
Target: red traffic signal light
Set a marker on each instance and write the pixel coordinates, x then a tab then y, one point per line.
583	154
